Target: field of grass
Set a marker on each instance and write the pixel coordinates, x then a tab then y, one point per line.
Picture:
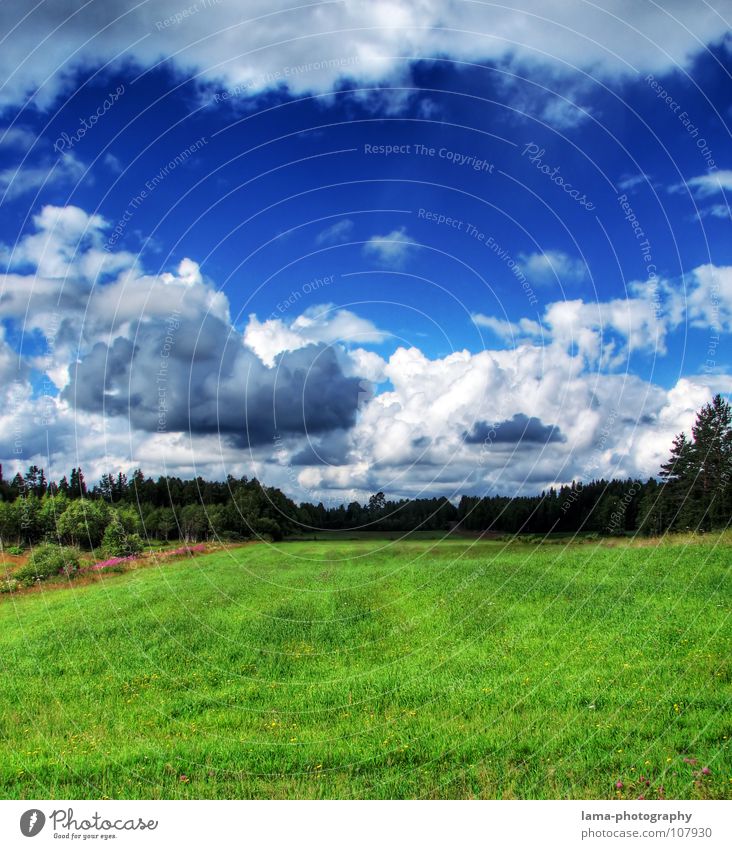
377	668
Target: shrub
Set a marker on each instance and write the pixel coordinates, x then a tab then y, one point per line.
268	528
15	549
49	560
83	522
118	542
9	585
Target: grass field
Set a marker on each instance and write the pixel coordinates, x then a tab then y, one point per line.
375	668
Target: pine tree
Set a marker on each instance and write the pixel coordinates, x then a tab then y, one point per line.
677	475
697	488
77	485
711	458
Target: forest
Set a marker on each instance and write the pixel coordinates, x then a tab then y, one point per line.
693	492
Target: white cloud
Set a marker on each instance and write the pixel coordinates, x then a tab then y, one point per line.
320	324
408	438
28	178
17	137
716	210
631	181
564	114
710	184
709	297
552	267
311	47
392	248
338	232
68	242
509	330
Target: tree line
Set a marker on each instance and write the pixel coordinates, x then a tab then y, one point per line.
693	492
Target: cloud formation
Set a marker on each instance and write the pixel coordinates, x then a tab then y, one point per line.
151	369
520	428
553	267
312	47
392	248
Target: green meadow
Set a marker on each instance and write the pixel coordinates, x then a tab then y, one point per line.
378	668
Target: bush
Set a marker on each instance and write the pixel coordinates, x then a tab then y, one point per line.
83	522
118	542
266	527
49	560
9	585
15	549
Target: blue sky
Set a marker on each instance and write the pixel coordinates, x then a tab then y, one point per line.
379	202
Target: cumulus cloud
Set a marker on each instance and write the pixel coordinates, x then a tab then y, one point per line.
558	102
216	387
545	418
509	330
709	301
552	266
152	370
17	137
159	351
391	249
312	47
716	210
27	178
323	323
520	428
710	184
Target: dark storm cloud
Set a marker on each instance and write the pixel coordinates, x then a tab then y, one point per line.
519	429
199	378
332	450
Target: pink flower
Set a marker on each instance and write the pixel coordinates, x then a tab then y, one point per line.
619	785
706	770
104	564
112	561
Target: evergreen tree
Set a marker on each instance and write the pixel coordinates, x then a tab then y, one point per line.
77	485
711	458
677	475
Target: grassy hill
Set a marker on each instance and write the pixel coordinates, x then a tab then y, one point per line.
377	668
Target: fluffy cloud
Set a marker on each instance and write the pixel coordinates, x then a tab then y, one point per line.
392	248
709	301
209	384
32	177
17	137
152	371
508	330
710	184
311	47
552	266
323	323
159	352
510	421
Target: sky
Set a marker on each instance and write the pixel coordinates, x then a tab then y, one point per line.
421	247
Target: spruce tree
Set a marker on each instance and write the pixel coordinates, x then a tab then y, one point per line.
677	475
711	459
